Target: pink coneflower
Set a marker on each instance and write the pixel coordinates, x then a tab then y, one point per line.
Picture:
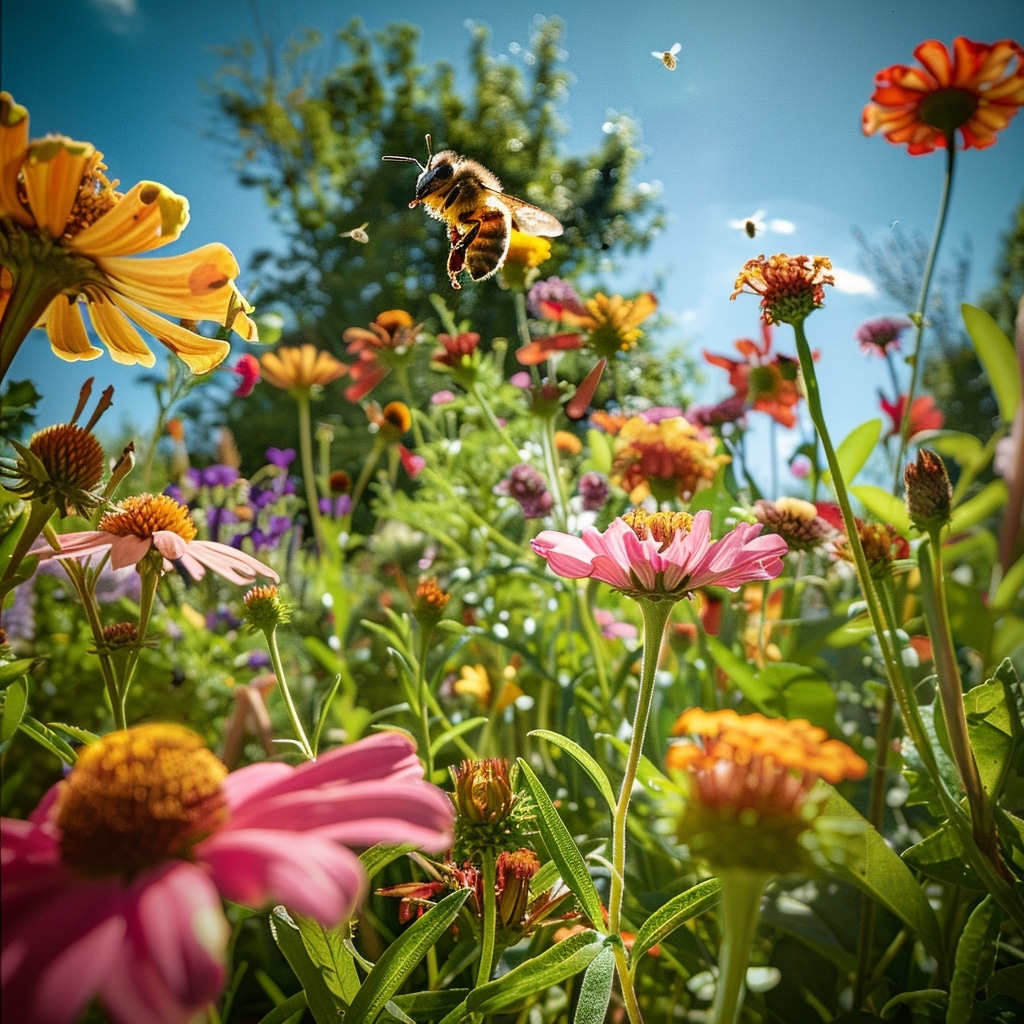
880	336
157	522
113	888
663	555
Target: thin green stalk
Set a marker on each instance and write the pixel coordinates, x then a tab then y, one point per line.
489	912
626	972
586	617
30	294
740	911
655	615
477	392
421	699
402	373
918	317
308	472
282	683
554	474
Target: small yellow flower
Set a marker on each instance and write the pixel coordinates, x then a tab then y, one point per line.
67	238
300	367
567	442
527	250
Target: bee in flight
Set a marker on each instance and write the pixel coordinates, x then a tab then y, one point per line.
750	227
468	200
668	57
357	234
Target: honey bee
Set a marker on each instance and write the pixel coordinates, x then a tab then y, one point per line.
467	199
750	227
668	57
357	234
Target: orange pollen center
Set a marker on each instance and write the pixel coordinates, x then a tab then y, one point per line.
97	195
70	454
144	515
659	526
137	798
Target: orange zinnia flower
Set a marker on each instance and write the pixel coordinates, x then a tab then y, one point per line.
387	343
300	367
66	238
975	93
790	287
766	381
670	459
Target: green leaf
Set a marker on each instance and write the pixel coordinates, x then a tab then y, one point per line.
975	959
283	1012
925	1005
876	869
885	507
1010	588
321	1001
327	950
990	500
855	449
680	909
440	741
584	760
997	356
15	705
48	739
562	847
596	988
16	669
401	958
991	711
378	857
562	960
941	856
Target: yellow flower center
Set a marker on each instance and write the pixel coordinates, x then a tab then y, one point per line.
659	526
137	798
97	195
144	515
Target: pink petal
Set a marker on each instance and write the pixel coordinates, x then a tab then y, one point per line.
74	545
234	565
567	555
128	550
310	874
170	544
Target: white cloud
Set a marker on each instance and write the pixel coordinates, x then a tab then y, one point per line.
849	283
119	16
781	227
761	227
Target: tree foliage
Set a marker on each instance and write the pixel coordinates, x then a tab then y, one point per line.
310	119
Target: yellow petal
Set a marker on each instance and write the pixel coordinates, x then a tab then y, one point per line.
199	354
197	285
68	337
13	145
148	216
122	340
53	169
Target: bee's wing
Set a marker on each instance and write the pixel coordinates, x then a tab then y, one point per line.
529	219
676	47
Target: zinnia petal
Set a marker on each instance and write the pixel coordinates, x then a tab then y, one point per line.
146	217
68	336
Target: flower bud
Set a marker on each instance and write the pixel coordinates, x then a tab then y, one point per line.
929	494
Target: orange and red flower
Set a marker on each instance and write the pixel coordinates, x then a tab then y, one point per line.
790	287
924	415
976	92
765	381
386	344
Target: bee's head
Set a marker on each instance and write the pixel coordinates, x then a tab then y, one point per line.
439	170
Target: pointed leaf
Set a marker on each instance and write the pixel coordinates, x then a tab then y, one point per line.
562	960
855	449
883	506
596	988
990	500
327	950
876	869
975	959
996	354
378	857
594	771
401	958
680	909
322	1003
15	705
562	848
293	1006
48	739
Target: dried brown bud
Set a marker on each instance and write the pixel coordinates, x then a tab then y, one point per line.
929	494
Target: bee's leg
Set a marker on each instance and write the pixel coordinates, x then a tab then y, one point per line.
456	260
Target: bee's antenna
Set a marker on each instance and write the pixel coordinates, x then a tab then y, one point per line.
405	160
429	152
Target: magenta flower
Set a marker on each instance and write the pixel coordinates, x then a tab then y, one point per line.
111	896
663	555
881	336
157	522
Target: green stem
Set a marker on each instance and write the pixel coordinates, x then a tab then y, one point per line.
655	615
625	972
741	906
308	472
402	373
421	698
919	315
554	473
522	319
498	429
282	682
39	514
33	290
950	689
489	911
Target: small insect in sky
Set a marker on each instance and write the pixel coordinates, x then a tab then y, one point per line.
751	228
357	234
668	57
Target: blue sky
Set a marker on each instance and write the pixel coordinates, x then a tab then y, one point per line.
763	114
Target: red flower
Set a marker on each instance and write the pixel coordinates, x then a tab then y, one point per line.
924	415
974	93
386	344
248	370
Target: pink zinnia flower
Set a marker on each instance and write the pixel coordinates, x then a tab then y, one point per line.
157	522
881	336
663	555
248	370
109	895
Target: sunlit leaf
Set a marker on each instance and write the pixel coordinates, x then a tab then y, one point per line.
854	450
884	506
596	988
975	959
321	1001
676	912
594	771
997	356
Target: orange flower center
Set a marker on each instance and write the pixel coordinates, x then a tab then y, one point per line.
144	515
97	195
72	457
659	526
137	798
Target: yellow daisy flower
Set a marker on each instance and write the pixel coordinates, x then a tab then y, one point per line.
67	241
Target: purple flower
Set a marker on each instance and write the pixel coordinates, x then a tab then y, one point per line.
527	486
553	289
336	507
281	457
881	336
594	490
